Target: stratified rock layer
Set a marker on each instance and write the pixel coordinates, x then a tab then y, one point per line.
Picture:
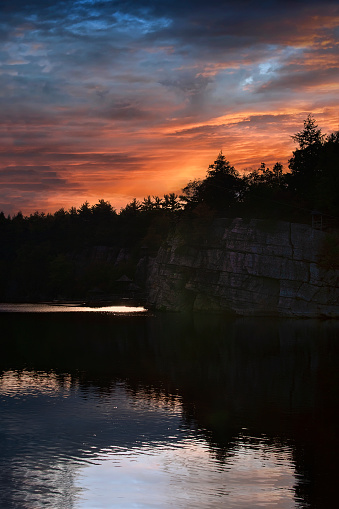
252	267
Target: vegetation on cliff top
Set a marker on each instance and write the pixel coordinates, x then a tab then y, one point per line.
71	253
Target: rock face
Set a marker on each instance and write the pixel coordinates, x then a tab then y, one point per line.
246	268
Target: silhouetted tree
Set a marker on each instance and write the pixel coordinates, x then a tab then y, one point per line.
314	169
327	188
147	204
304	164
171	202
157	203
266	193
85	211
310	135
191	194
103	209
223	186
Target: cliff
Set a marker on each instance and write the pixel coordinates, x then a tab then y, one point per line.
246	268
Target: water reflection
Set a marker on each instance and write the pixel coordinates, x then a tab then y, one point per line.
69	308
187	477
101	410
68	448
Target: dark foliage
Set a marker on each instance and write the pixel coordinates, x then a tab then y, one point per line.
314	177
77	254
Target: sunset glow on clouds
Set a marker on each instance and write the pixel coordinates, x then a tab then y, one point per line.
120	99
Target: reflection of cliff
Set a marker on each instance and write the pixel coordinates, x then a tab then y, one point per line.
276	378
244	267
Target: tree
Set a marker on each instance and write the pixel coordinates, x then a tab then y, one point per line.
221	167
103	209
263	176
191	194
157	202
304	164
173	202
265	192
314	177
222	187
147	204
310	135
328	181
73	212
131	209
85	211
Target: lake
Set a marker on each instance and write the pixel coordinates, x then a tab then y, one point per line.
124	408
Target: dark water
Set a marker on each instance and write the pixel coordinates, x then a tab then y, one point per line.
106	410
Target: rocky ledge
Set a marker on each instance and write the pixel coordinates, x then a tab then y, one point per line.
248	268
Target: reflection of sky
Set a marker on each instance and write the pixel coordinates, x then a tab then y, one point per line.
186	476
68	447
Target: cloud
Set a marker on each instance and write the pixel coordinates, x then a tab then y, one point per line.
34	178
23	186
111	95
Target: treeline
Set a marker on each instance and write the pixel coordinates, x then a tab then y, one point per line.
77	252
310	184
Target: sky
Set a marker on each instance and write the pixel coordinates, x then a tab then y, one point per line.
105	99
